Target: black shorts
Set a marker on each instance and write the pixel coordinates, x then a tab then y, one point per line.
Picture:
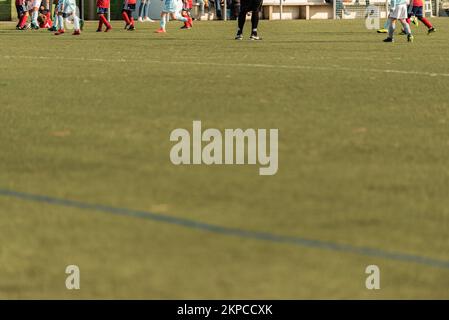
251	5
129	7
416	11
21	10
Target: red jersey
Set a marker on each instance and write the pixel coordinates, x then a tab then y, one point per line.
102	3
418	3
188	4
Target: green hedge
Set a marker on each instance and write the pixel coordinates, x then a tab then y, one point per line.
5	10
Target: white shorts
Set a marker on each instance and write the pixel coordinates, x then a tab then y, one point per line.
36	3
399	11
69	6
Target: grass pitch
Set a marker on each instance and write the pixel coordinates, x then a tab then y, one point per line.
363	161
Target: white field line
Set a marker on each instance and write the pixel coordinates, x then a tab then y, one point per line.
244	65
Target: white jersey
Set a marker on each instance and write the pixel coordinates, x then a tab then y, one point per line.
36	3
69	6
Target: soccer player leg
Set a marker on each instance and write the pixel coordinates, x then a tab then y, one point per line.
35	14
418	12
179	17
126	17
102	19
256	7
391	28
244	9
70	11
162	22
131	17
21	12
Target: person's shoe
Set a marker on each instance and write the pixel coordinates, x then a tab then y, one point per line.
238	36
160	30
99	30
254	36
52	29
34	26
59	32
108	29
382	30
431	30
131	28
126	26
415	21
388	40
148	20
185	27
76	33
410	38
140	19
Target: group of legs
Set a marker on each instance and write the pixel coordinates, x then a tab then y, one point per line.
246	6
169	11
404	15
24	10
65	9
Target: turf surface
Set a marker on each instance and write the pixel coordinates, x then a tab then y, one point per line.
363	161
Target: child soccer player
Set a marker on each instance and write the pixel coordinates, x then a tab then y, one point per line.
398	11
35	6
187	6
66	10
129	6
102	10
44	18
417	11
253	6
170	9
22	14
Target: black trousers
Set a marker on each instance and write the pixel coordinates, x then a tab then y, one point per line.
253	6
250	5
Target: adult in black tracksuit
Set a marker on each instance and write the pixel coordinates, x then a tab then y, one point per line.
253	6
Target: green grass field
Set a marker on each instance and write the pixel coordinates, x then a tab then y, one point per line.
363	162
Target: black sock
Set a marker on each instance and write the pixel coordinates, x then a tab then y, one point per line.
255	19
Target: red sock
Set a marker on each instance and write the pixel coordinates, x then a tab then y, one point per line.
132	20
105	21
408	20
126	18
23	21
100	22
426	22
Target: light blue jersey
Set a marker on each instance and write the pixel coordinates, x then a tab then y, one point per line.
69	6
169	6
394	3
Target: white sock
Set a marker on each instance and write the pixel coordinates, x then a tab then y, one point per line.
61	22
56	22
34	16
76	22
